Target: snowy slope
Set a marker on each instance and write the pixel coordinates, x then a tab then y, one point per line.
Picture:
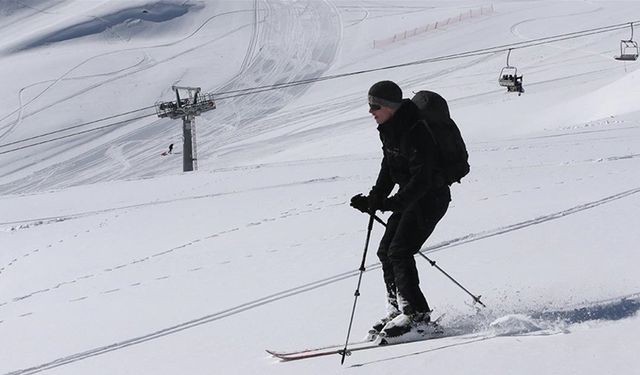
114	261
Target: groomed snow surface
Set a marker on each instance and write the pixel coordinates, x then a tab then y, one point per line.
113	261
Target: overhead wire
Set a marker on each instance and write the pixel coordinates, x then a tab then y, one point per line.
77	133
76	126
260	89
478	52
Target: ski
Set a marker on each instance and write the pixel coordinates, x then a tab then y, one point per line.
322	348
336	349
351	347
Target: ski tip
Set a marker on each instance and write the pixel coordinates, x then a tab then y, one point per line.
277	356
273	353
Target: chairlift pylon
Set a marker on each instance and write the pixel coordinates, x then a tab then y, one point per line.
628	48
510	79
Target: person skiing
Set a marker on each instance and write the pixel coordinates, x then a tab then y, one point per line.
171	148
410	160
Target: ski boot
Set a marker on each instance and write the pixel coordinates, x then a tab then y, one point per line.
375	330
412	327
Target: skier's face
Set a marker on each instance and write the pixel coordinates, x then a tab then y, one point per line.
380	113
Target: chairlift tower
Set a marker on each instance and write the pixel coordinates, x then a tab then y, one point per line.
187	109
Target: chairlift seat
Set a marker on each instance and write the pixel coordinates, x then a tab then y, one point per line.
627	57
507	81
628	51
509	77
510	81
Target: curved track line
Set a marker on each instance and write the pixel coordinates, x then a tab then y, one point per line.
62	77
12	126
290	46
514	31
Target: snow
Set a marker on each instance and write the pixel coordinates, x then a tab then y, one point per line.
113	261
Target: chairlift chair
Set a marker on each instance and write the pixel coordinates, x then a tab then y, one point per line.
628	48
510	79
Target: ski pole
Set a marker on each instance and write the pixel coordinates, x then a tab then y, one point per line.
344	351
433	263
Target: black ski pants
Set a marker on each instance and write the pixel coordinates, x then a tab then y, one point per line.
405	234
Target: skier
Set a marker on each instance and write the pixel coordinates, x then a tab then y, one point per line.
171	148
410	160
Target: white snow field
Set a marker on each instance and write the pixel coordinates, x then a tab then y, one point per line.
114	261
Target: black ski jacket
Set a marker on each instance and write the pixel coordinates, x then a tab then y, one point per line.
410	160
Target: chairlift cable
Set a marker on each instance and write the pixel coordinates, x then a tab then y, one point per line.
75	126
260	89
77	133
479	52
484	51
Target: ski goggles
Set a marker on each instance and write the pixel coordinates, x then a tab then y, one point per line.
376	103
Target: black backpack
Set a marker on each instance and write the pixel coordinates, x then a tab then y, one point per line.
435	113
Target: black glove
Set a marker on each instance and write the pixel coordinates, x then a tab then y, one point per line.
375	201
360	203
392	204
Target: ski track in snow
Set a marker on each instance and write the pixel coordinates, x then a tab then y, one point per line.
116	152
279	58
323	282
48	220
516	32
138	261
12	126
528	223
113	76
471	330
